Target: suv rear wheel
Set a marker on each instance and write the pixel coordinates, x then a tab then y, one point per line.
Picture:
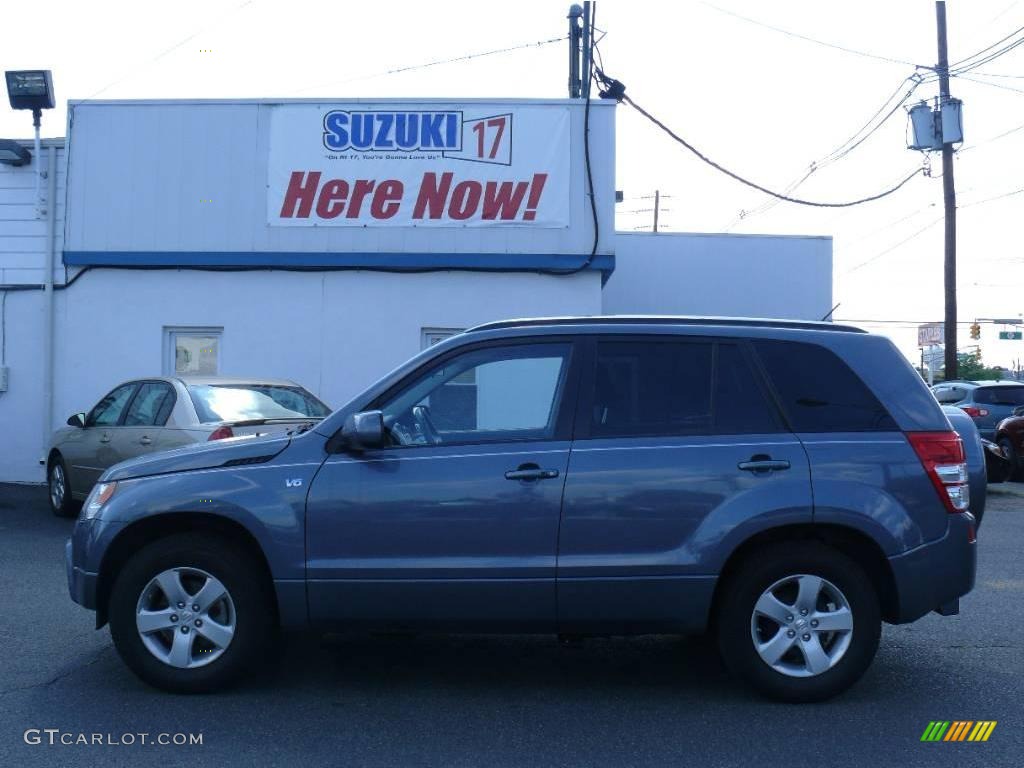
188	613
799	622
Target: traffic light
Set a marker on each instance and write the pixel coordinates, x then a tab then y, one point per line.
975	331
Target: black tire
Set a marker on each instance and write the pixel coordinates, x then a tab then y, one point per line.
735	608
67	506
1011	454
254	611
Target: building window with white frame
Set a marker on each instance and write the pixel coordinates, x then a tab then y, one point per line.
192	351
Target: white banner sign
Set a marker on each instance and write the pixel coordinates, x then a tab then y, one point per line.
418	165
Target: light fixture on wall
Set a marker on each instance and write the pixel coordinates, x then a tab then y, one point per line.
12	153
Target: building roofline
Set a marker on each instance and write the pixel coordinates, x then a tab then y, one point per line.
339	100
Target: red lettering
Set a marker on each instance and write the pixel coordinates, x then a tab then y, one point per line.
387	199
503	201
360	190
465	200
300	193
432	197
332	199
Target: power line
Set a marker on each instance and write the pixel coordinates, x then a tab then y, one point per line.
931	224
437	63
133	71
1002	86
974	58
844	149
680	140
892	248
808	39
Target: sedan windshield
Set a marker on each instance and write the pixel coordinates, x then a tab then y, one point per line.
253	402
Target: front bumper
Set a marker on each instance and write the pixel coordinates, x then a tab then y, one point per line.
935	575
81	583
83	555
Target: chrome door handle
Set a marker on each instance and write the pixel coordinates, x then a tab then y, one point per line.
105	439
531	473
145	440
757	464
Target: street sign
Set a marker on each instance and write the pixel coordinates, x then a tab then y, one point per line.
930	334
1011	335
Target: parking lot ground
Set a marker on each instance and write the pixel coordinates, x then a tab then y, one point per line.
357	700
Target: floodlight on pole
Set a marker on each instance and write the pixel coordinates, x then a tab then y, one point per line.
31	89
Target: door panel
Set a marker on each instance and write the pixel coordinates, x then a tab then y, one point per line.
648	522
95	451
680	455
436	536
454	523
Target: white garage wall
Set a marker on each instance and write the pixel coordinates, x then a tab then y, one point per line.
333	332
728	275
21	406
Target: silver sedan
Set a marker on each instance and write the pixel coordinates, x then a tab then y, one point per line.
161	413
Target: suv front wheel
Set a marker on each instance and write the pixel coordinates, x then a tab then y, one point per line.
799	622
188	613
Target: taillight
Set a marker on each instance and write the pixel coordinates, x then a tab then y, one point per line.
220	433
942	454
973	411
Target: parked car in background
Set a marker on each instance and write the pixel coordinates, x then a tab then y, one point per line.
997	464
156	414
788	485
1010	437
987	402
977	462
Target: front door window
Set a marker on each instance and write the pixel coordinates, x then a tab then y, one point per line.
494	394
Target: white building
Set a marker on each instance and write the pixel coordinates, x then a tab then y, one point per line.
197	236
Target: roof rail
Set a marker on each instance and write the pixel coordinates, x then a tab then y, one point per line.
739	322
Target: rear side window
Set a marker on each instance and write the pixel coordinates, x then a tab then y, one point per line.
819	392
1004	395
950	395
151	406
740	404
670	388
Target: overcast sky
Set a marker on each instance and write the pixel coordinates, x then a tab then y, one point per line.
759	101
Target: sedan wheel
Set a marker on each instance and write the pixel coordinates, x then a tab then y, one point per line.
185	617
61	502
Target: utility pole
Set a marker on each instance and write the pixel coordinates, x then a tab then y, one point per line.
575	36
657	205
948	198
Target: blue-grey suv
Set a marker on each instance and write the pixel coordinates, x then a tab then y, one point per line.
987	402
787	485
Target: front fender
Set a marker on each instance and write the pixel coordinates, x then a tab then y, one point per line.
268	500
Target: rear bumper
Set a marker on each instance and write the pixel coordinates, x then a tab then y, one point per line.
936	574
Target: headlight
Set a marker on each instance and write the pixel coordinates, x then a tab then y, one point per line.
101	494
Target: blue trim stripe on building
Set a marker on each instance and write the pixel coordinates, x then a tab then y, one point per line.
498	262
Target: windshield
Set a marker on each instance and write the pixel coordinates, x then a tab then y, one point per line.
248	402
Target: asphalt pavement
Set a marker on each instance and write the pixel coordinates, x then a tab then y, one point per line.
358	700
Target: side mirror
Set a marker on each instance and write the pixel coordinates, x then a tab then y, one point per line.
78	420
363	430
